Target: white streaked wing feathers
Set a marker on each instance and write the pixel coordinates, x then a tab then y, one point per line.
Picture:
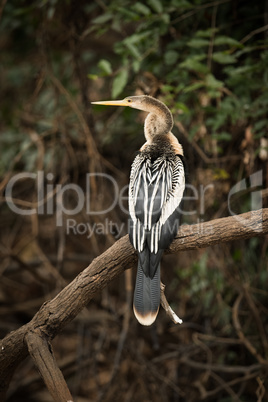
171	174
175	191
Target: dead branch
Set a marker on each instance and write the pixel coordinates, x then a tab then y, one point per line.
240	333
164	303
40	351
58	312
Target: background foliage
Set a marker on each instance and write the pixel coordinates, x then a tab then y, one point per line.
208	62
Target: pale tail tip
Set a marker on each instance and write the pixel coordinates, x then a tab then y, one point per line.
146	319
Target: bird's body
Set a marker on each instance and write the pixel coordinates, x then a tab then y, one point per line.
156	187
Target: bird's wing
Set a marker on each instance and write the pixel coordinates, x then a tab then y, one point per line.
155	192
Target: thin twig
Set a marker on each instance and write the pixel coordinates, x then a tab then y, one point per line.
211	42
215	391
254	32
220	367
164	303
197	8
240	333
256	315
226	387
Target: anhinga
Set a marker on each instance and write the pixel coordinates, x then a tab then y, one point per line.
156	187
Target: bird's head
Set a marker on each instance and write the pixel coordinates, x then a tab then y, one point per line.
140	102
159	120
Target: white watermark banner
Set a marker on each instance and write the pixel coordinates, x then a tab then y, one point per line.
54	199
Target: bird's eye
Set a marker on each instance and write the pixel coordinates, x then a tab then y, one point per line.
129	100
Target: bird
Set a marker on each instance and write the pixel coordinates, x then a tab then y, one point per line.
156	188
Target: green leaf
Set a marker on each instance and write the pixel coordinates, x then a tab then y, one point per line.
222	136
223	58
133	50
260	124
182	107
220	174
216	122
117	25
101	19
136	38
136	65
237	71
141	9
193	63
206	33
212	82
198	42
119	82
156	5
226	40
170	57
167	88
105	66
128	13
194	86
166	19
92	76
182	4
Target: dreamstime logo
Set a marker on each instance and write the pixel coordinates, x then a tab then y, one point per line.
55	200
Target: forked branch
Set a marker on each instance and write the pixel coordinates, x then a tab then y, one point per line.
34	337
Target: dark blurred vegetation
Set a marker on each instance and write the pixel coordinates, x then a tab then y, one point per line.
208	62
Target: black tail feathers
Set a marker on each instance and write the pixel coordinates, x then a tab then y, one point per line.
146	296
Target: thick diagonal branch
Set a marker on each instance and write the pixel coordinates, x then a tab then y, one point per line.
58	312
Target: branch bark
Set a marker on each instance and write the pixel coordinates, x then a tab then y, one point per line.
41	352
58	312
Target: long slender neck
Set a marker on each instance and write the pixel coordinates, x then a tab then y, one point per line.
158	122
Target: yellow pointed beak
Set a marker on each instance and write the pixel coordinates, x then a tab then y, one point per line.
113	103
